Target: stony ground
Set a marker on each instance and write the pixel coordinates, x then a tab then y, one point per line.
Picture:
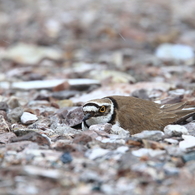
55	56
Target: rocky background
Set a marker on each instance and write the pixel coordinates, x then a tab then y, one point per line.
54	56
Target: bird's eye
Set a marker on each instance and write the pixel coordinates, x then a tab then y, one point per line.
102	109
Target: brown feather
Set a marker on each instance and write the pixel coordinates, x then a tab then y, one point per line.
137	115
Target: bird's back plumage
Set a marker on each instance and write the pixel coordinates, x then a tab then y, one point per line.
137	114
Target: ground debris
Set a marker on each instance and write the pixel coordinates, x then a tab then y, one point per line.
55	56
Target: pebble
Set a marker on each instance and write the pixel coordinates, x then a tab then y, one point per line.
101	127
49	84
188	157
111	140
174	52
13	102
122	149
15	114
174	151
4	127
127	160
65	94
63	129
90	176
3	106
117	76
72	116
5	137
191	128
151	135
28	118
66	157
171	141
120	131
96	153
187	143
82	139
30	54
175	130
65	103
147	152
170	170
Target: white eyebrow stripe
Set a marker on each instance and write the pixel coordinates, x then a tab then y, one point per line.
90	108
102	104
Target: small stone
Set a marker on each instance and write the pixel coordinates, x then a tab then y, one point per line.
4	127
90	176
147	152
141	93
66	157
5	137
133	141
13	102
63	145
126	161
101	127
175	52
92	134
63	129
41	139
82	139
122	149
96	153
175	130
61	95
120	131
3	106
48	84
170	170
110	138
62	87
191	128
153	144
171	141
42	172
151	135
117	76
15	114
28	118
30	54
65	103
188	157
174	151
187	143
71	116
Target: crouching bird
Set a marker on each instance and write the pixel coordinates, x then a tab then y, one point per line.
133	114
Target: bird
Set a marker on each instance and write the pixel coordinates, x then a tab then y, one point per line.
134	114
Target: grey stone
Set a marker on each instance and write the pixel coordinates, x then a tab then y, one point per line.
28	118
96	153
187	143
175	130
188	157
147	152
151	135
15	114
175	52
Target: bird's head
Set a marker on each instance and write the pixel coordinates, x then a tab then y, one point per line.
97	111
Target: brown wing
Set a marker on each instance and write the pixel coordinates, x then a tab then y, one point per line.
180	111
136	114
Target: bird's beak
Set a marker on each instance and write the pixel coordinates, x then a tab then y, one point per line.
87	116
